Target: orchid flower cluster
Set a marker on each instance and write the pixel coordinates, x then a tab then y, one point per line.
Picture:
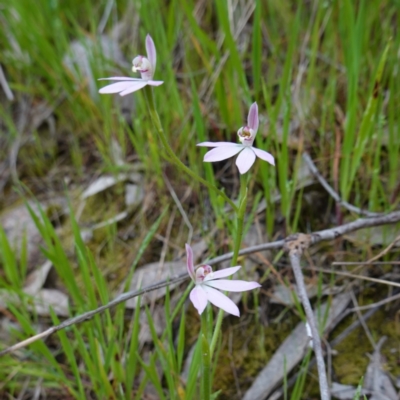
206	281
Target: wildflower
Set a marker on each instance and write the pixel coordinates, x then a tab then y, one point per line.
146	67
248	153
208	281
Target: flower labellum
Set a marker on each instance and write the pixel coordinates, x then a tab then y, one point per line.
145	65
247	153
207	282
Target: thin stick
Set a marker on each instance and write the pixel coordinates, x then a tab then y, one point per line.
354	276
377	304
316	237
90	314
302	292
332	192
362	321
366	263
4	84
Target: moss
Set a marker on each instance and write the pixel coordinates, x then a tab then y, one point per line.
245	351
351	362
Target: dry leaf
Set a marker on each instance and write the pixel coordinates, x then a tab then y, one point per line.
344	392
47	299
35	280
377	381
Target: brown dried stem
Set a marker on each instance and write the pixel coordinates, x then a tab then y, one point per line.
316	237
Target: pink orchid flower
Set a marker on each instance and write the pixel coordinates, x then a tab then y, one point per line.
248	153
208	281
146	67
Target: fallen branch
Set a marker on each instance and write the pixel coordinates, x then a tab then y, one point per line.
316	237
295	247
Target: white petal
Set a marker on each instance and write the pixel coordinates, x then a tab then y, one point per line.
232	286
116	87
155	83
222	153
199	298
134	87
222	273
119	78
245	160
220	300
218	144
264	156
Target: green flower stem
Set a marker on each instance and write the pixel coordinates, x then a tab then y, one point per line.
156	120
240	218
236	248
206	355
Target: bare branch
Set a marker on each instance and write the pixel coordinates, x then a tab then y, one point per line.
295	248
316	237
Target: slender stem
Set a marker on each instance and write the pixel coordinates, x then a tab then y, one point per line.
206	355
302	292
240	218
236	248
156	120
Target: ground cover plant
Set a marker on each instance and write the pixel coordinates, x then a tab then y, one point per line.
110	200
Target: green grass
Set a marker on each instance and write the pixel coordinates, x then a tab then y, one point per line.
325	76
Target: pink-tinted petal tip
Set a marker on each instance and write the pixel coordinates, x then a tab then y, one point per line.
151	52
252	119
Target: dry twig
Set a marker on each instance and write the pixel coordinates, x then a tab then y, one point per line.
295	246
316	237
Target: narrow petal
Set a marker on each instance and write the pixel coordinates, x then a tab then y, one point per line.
220	300
222	153
119	78
151	52
232	286
223	273
155	83
245	160
252	119
199	298
134	87
218	144
117	87
264	156
189	262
